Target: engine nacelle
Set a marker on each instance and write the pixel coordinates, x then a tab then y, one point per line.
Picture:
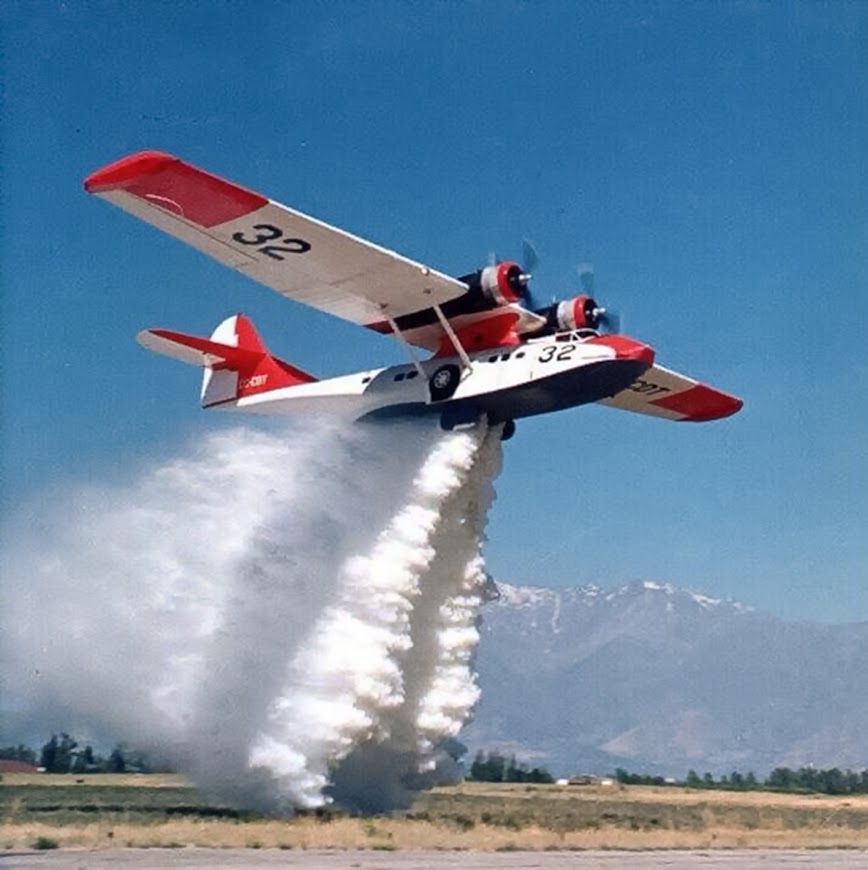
491	287
503	283
580	312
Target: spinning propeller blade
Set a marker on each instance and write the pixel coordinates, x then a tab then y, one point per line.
529	262
606	318
586	278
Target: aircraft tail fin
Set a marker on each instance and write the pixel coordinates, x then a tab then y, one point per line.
236	362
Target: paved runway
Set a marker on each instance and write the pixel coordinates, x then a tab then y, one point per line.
152	859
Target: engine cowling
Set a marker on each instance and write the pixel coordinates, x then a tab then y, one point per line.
503	283
580	312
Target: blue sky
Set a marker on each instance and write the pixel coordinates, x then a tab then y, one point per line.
708	158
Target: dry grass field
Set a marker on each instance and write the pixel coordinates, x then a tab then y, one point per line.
149	811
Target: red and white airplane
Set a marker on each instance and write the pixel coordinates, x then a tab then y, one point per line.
492	352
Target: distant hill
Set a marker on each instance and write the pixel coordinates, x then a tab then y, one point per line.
658	679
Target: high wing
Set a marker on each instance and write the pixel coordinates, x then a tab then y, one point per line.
664	393
300	257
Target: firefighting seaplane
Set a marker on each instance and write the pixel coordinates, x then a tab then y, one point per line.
492	352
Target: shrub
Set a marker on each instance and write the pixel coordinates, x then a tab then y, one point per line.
45	843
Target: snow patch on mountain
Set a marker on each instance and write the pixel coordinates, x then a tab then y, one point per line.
589	595
654	677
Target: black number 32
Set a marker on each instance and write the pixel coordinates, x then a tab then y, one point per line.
269	233
557	352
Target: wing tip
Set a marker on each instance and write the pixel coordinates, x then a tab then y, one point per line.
725	407
702	403
167	183
122	172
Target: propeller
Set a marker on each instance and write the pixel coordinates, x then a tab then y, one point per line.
529	256
586	278
520	280
605	318
529	262
598	317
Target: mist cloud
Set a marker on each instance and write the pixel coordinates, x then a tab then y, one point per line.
287	618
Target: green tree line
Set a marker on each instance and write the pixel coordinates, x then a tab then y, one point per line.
494	767
833	781
61	753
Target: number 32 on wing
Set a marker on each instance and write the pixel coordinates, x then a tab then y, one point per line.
266	233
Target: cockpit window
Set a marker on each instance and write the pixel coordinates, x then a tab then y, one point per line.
576	335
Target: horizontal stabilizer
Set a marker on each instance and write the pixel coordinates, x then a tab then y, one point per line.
197	351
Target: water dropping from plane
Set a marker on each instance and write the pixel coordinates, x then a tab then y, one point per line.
274	614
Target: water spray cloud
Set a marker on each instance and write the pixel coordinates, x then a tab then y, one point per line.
267	612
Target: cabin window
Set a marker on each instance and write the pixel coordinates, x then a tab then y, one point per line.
412	374
366	379
505	357
399	376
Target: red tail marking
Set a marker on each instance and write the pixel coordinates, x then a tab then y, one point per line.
258	371
268	372
235	358
248	338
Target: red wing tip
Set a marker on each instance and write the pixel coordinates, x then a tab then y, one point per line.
701	403
729	405
723	405
120	173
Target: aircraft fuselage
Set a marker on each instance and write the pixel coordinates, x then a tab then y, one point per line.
507	383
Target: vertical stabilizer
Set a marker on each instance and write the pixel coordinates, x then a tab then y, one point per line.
256	371
236	362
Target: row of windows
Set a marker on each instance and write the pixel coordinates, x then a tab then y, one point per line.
401	376
408	376
503	357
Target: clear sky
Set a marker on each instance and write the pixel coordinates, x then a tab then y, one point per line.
708	158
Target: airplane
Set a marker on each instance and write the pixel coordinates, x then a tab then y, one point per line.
493	352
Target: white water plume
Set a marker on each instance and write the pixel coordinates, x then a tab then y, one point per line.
352	674
439	688
264	611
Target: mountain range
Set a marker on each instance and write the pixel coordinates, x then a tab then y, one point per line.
658	679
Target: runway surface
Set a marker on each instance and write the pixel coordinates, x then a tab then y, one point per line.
151	859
